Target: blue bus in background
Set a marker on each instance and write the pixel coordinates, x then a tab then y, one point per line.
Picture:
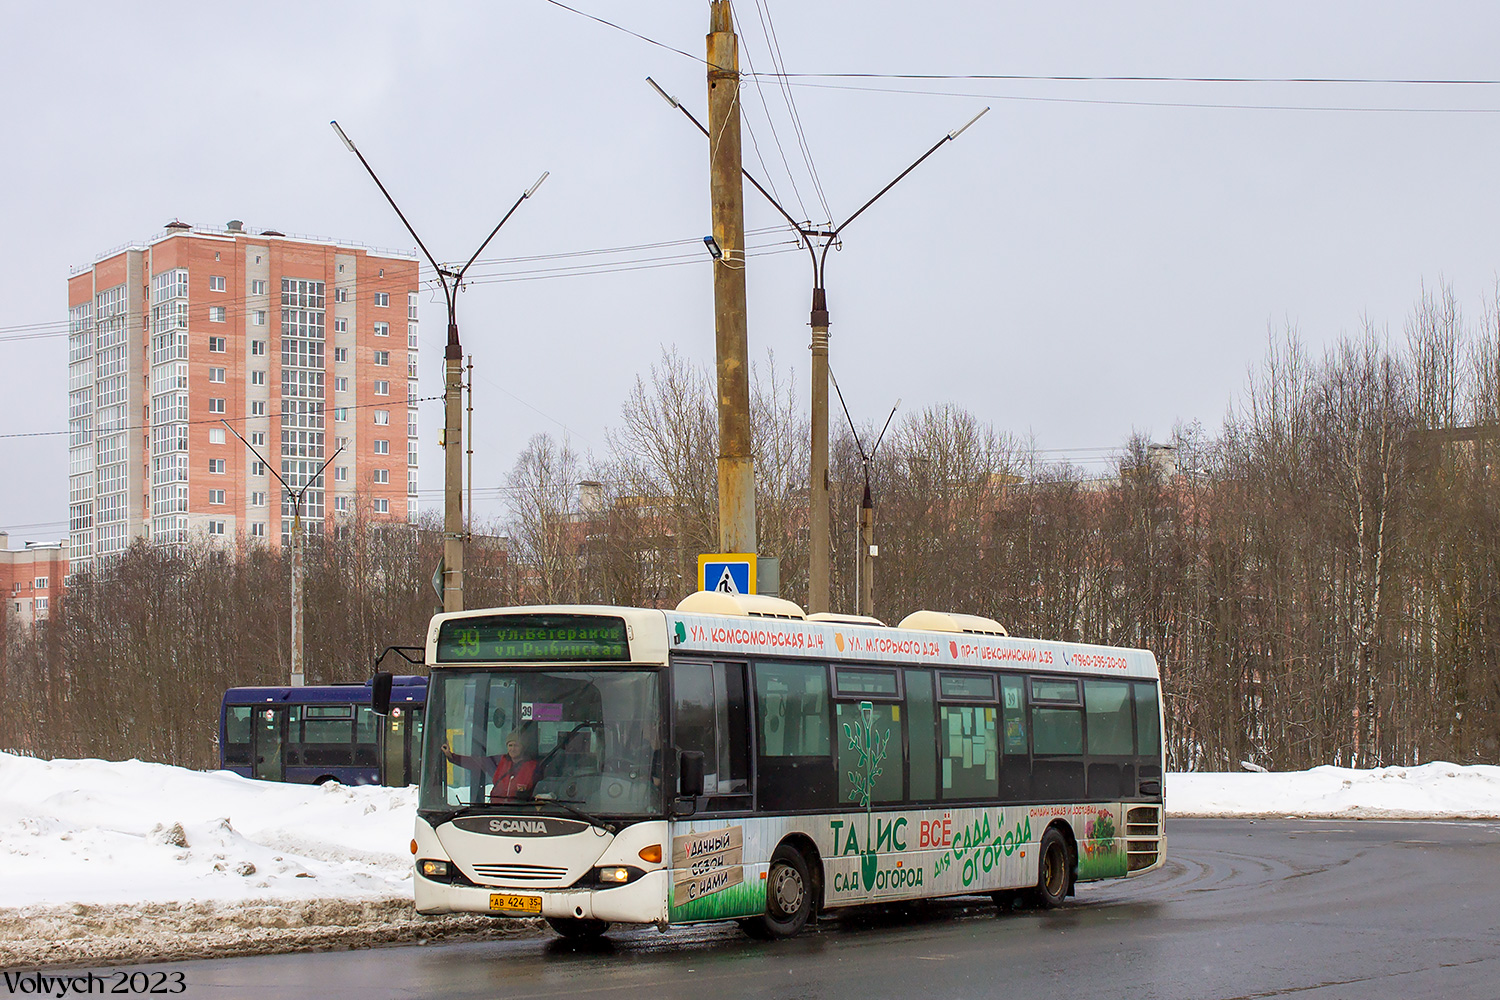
324	733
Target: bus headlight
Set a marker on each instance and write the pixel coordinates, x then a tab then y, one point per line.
433	869
609	876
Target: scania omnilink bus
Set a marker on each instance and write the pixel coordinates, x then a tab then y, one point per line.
737	759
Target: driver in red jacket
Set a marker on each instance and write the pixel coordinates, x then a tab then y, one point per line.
516	771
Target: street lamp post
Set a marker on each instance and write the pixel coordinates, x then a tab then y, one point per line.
819	544
452	281
298	671
864	564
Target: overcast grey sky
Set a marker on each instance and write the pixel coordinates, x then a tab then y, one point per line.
1092	258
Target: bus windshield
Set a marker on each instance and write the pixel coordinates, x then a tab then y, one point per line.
589	740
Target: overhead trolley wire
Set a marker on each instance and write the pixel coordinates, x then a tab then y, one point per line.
768	27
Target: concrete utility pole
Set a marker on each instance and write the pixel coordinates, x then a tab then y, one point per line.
299	676
453	408
736	464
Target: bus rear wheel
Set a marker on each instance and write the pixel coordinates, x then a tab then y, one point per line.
789	897
1054	871
578	928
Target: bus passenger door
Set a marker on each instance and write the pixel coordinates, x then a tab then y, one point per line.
268	751
711	715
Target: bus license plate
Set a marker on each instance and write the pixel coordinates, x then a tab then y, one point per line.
515	904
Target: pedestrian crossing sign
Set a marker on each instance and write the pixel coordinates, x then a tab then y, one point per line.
727	572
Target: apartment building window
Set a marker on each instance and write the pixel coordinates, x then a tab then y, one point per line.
341	442
258	285
341	294
216	527
411	305
257	499
258	438
257	468
258	348
411	482
216	497
341	354
382	418
341	473
382	298
341	504
215	406
340	383
411	390
41	604
382	447
382	329
382	388
258	408
217	345
382	476
216	374
217	314
216	435
341	413
382	505
411	336
411	452
216	466
341	326
382	358
216	283
257	378
258	530
41	583
260	317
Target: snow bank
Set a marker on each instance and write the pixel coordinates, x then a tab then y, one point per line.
1431	791
105	862
93	831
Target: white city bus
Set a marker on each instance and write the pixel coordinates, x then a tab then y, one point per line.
736	759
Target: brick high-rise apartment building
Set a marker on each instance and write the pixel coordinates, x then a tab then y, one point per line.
303	345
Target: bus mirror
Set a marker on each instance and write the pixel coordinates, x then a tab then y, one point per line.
690	773
380	694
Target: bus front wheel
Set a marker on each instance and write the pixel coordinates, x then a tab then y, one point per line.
1054	871
578	928
789	897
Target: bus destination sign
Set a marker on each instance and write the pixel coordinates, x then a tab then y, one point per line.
532	638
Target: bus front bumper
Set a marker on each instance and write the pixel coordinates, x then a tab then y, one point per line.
643	901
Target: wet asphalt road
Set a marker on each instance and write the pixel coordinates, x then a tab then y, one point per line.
1267	909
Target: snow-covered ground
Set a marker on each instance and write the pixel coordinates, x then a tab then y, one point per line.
106	861
1431	791
103	862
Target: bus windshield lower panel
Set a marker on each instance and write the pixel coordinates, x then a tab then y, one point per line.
587	739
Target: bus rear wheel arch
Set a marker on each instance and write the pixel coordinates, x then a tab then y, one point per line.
792	891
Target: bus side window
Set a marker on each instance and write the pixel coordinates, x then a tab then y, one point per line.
1015	767
1147	721
237	734
795	768
921	724
793	709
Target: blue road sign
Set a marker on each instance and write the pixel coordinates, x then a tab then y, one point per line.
730	572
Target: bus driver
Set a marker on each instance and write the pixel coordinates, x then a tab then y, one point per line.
516	771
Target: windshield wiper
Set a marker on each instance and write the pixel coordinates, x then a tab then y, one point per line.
567	805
